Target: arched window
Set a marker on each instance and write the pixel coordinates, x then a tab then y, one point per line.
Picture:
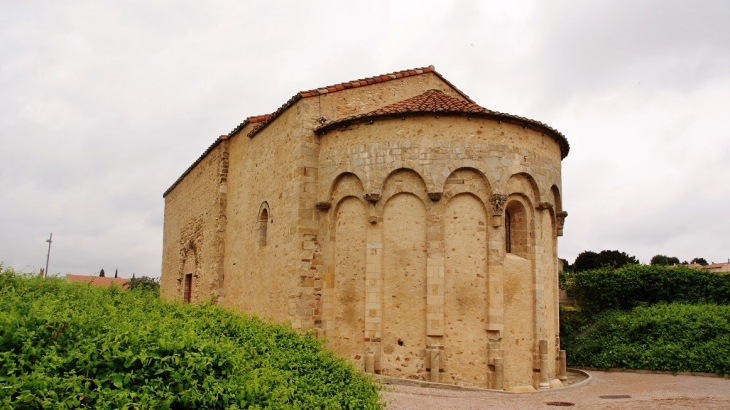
517	229
507	231
190	263
262	226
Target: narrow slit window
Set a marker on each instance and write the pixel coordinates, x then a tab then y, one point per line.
507	232
262	228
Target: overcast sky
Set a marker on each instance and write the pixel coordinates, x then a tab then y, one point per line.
104	104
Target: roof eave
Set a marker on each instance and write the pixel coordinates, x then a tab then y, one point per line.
524	122
249	120
194	164
274	115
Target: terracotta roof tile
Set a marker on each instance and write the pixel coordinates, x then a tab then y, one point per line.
430	101
96	280
255	119
347	85
436	102
262	121
258	118
249	120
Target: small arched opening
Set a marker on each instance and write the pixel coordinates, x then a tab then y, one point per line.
189	270
517	231
262	226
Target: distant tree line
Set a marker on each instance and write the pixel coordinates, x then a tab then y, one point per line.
589	260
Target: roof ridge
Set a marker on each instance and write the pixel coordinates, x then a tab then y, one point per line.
253	119
430	100
366	81
349	85
262	121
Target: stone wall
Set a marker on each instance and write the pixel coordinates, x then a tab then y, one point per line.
437	272
354	101
262	278
386	237
193	224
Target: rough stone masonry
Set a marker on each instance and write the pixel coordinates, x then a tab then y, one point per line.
413	229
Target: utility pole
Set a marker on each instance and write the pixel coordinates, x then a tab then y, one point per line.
48	256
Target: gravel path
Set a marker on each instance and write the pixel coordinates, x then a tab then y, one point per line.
646	391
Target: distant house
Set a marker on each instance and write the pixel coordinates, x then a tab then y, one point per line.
96	280
723	267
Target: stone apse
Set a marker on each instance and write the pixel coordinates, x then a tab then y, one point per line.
413	229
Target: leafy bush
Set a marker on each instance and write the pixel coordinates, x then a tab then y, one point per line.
69	345
639	285
671	337
572	321
144	283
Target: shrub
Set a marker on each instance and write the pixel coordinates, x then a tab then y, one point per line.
640	285
144	283
671	337
69	345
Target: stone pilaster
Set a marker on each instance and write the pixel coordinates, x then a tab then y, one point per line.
311	272
374	287
435	277
495	324
220	239
495	314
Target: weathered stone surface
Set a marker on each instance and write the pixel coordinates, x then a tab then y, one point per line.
390	237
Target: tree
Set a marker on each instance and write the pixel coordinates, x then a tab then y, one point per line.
589	260
116	273
658	260
700	261
101	274
586	260
144	283
616	259
664	260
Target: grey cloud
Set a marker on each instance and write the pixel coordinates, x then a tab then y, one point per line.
105	105
591	46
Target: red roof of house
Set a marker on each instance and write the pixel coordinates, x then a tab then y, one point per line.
436	102
96	280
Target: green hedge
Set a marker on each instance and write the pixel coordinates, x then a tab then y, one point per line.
671	337
639	285
69	345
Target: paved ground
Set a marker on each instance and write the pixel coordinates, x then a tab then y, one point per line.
646	391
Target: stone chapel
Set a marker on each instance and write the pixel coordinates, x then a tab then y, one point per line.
413	229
